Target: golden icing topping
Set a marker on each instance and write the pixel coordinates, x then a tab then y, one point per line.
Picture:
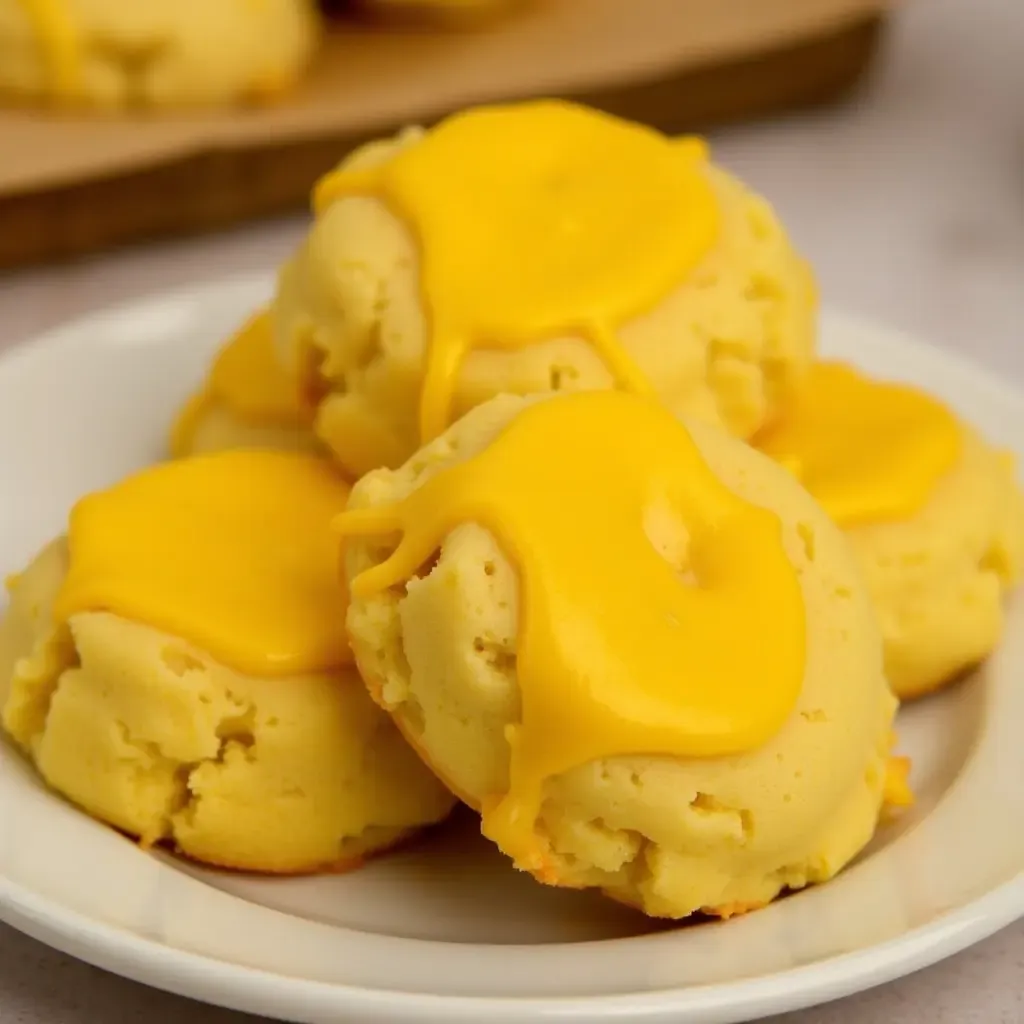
58	40
536	221
868	451
618	652
233	552
249	380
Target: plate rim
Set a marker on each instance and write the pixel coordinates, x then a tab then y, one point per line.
255	990
258	990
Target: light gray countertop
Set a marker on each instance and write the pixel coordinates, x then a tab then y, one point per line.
910	201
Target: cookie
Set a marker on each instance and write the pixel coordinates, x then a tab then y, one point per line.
157	54
154	685
246	401
531	248
932	511
637	646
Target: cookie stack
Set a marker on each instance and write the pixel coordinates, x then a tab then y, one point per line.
527	489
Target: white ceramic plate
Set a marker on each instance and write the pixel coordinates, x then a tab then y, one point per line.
446	931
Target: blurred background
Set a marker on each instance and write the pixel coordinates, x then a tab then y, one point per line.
890	137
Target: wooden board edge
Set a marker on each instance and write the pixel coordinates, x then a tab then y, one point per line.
215	189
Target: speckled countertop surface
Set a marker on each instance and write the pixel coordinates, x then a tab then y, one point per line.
910	201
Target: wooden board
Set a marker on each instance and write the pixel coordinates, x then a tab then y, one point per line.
213	172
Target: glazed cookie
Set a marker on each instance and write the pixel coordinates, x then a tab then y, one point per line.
933	513
116	53
173	669
639	648
536	247
246	401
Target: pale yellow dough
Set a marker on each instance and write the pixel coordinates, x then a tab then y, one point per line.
938	578
155	53
152	735
671	836
725	347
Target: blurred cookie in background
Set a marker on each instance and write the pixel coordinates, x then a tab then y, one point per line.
245	401
104	54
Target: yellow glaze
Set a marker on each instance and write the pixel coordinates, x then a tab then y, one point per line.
869	451
540	220
617	655
248	377
233	552
58	41
249	381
